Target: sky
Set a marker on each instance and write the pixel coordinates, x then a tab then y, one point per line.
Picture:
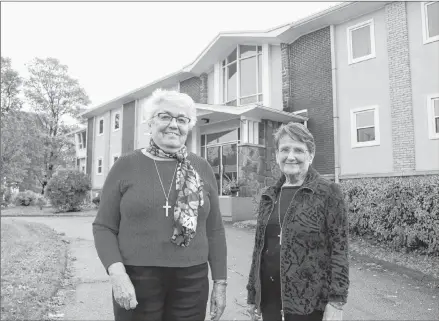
112	48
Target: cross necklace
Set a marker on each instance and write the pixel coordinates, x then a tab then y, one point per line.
166	206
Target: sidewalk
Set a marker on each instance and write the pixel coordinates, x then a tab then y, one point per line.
376	292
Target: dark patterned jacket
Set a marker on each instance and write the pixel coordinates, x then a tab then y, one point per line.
314	246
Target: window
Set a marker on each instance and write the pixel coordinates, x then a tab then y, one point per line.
101	126
100	162
225	137
242	76
365	127
116	121
82	142
253	132
115	158
361	42
430	21
433	116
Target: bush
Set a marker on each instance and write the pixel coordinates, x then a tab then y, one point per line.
96	200
402	212
67	190
27	198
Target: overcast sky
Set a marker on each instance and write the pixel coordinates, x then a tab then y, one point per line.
115	47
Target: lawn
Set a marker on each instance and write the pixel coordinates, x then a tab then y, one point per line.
46	211
33	261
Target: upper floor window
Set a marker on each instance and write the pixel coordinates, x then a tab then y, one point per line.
430	21
116	121
101	126
99	167
361	42
82	142
242	76
433	116
365	130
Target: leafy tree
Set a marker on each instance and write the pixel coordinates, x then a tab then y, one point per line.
52	94
10	88
20	143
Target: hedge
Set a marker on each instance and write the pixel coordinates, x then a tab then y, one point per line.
401	212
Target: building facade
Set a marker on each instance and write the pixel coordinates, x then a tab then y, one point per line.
362	76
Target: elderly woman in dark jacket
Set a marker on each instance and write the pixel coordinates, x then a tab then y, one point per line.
300	268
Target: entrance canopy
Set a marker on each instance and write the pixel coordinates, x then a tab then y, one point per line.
218	113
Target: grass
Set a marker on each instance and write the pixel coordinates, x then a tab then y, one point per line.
33	261
46	211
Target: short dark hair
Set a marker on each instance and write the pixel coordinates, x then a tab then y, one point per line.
298	132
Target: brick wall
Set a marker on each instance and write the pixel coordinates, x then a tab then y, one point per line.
192	87
400	87
307	84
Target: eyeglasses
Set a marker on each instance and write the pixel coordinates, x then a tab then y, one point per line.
297	151
166	119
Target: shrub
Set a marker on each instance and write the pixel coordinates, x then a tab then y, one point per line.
96	200
67	190
402	212
27	198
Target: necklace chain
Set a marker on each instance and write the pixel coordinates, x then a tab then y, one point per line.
161	183
278	211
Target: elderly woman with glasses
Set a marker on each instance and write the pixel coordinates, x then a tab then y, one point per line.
159	225
300	268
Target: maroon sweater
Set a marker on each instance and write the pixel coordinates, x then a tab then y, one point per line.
131	226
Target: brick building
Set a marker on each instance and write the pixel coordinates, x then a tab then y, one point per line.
361	75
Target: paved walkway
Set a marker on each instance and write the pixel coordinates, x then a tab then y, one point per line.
375	293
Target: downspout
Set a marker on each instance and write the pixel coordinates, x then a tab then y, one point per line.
136	122
335	116
93	157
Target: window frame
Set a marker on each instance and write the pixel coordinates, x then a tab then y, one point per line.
99	126
224	64
102	166
354	112
112	158
351	59
431	117
424	13
80	144
114	121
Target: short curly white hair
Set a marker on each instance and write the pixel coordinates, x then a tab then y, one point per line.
160	96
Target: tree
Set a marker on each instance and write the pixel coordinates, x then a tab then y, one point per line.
20	143
10	88
52	94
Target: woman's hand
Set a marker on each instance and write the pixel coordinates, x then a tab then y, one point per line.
218	299
123	289
332	313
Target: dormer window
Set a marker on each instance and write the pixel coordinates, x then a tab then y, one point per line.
242	76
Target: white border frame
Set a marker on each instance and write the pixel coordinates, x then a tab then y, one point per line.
102	166
426	39
349	30
114	121
98	127
376	142
430	112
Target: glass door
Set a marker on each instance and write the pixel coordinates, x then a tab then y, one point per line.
213	157
229	165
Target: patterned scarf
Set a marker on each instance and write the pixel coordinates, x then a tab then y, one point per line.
189	188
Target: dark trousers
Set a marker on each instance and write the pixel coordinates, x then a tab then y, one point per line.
167	294
271	304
